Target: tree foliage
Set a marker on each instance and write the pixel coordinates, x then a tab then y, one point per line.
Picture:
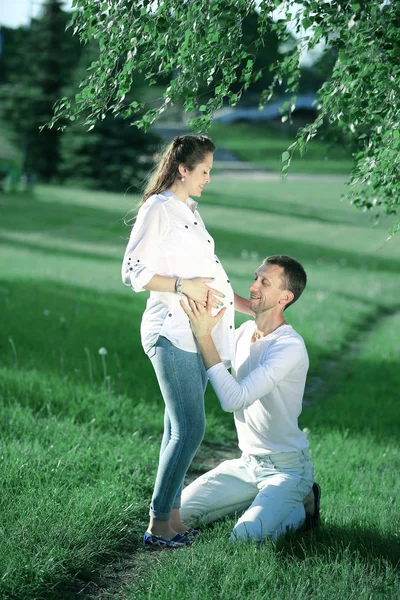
194	44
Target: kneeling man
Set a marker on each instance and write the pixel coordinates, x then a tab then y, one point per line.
273	479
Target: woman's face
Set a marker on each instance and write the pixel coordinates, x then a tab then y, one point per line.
196	180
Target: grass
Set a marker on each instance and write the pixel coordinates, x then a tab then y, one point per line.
263	146
80	433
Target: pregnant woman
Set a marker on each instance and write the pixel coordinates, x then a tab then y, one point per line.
171	254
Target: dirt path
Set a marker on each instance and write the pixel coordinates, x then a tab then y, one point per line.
227	164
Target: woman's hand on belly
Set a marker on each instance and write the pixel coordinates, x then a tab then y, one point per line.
197	289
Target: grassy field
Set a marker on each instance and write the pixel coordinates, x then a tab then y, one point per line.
80	431
261	145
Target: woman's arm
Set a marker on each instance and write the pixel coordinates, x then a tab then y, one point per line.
142	260
160	283
196	289
242	305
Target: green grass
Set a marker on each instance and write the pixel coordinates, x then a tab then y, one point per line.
263	146
80	436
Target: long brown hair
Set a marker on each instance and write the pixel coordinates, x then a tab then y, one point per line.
189	150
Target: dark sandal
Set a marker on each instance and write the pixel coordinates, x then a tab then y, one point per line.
178	541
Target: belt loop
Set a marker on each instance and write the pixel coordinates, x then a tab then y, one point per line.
269	460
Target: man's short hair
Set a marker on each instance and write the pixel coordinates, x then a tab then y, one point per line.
294	277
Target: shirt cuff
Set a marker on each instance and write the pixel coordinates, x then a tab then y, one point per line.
215	369
141	278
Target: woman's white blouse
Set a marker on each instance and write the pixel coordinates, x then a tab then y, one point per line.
169	238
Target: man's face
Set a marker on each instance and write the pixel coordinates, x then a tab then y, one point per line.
267	288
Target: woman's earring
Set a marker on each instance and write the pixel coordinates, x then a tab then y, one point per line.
182	179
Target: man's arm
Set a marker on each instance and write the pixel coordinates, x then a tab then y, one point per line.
209	352
233	395
202	323
282	359
242	305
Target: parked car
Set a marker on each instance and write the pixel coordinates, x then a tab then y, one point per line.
305	103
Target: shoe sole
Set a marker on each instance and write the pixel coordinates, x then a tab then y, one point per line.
313	521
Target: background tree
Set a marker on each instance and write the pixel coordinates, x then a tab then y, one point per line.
202	43
38	71
114	156
10	151
39	64
11	60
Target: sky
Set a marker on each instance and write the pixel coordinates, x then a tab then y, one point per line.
14	13
19	12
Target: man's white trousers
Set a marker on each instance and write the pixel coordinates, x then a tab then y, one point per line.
270	489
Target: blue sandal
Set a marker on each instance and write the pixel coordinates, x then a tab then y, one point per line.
178	541
192	532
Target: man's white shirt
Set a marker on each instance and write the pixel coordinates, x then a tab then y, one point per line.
265	390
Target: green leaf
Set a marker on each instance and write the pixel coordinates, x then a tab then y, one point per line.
208	50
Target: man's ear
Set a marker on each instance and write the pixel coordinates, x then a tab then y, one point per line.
287	297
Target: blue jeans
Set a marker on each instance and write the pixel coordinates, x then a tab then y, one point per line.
182	379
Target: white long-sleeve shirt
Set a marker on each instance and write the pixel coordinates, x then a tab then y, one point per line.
169	238
265	390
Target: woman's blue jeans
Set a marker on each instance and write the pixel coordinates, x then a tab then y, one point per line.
182	379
